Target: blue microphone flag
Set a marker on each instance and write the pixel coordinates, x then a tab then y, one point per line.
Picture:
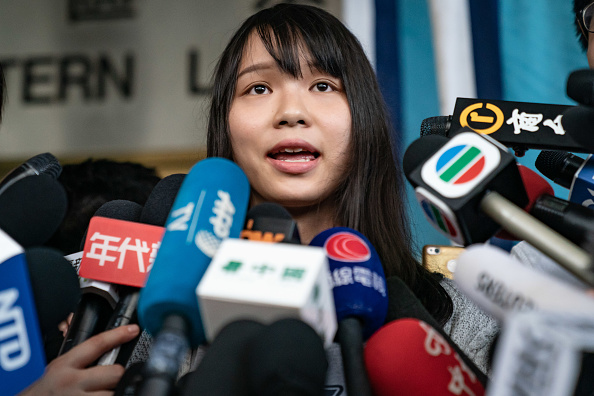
210	206
358	280
22	358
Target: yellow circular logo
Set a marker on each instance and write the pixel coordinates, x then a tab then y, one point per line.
494	121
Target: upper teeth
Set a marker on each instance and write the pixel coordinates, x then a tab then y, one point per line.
294	150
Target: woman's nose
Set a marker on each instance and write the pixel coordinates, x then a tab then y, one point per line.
292	111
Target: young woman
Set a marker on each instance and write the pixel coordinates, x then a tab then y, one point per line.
297	106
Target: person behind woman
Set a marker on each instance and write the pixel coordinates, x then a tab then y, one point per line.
297	106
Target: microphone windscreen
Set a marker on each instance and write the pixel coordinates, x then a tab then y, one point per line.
117	209
32	209
158	204
120	209
268	209
287	358
270	222
580	86
579	120
222	370
501	285
419	150
409	357
55	286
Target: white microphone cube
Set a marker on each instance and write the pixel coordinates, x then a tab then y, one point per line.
266	282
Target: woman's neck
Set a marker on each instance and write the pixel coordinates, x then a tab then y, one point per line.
312	220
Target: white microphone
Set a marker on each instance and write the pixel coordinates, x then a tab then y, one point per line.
544	353
265	282
501	285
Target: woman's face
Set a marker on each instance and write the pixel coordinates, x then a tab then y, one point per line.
290	136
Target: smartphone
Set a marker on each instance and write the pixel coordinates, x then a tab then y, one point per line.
441	258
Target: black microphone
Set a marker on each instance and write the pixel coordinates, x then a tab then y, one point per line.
55	286
559	166
223	369
44	163
580	86
270	222
32	209
569	171
471	185
287	358
159	202
572	220
94	310
518	125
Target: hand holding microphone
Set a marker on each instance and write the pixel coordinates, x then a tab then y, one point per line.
70	373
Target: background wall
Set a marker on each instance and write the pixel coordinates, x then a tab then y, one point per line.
113	78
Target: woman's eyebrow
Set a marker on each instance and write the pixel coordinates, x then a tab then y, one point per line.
256	67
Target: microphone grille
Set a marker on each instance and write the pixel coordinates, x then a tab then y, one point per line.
439	125
558	166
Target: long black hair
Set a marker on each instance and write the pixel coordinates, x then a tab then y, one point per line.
371	199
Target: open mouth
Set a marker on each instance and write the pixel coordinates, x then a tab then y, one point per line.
294	154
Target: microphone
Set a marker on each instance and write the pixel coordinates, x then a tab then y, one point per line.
98	297
22	359
569	171
56	293
544	353
160	201
402	304
286	358
153	218
223	369
32	209
270	222
360	297
210	207
265	282
119	251
473	171
518	125
574	221
55	286
501	285
580	86
409	357
44	163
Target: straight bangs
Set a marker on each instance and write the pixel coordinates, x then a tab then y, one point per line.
291	36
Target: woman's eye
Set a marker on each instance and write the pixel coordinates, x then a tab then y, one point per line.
323	87
258	90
